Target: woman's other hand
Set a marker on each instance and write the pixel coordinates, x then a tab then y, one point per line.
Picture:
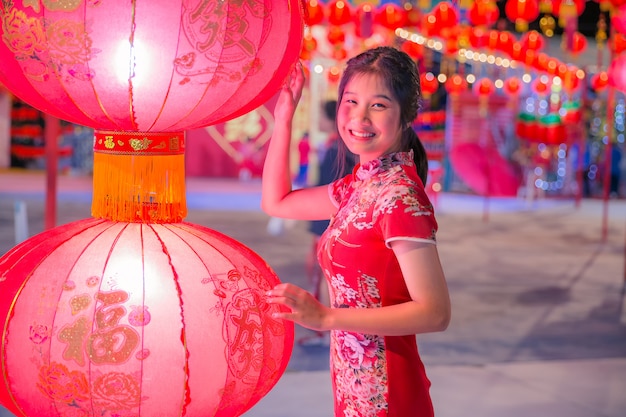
306	310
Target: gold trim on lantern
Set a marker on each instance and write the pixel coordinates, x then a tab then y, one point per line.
139	177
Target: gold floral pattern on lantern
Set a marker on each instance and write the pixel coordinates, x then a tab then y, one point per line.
116	391
23	35
62	385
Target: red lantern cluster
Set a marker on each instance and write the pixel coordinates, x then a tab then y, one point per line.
148	316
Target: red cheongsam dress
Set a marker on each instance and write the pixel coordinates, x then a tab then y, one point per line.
381	201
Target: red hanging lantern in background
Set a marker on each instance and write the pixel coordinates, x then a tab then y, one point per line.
445	16
532	40
617	73
618	20
391	16
429	84
483	13
364	21
455	85
136	312
512	87
540	86
309	45
617	43
339	12
599	81
521	12
576	44
505	42
483	88
478	37
314	13
414	49
571	79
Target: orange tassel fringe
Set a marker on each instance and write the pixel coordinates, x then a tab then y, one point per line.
139	177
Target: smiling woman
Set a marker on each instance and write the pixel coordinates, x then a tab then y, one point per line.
379	253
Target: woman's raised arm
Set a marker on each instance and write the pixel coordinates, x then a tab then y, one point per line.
278	199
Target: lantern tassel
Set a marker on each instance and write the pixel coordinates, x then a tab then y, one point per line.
139	177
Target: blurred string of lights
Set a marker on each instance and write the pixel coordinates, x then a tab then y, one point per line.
468	55
546	180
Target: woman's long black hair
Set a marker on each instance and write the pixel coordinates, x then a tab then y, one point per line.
401	76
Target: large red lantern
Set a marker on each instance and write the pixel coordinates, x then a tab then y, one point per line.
136	313
140	66
121	319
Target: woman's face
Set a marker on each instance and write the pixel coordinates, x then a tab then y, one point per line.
368	119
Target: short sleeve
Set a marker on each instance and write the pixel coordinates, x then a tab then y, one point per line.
404	212
338	190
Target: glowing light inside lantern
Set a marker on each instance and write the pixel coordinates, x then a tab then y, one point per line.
133	62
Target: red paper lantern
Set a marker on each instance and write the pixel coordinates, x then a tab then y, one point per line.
456	84
429	84
571	79
478	37
532	40
540	86
617	42
618	20
483	13
443	16
617	73
512	86
484	87
429	25
577	45
414	49
138	66
599	81
505	42
339	12
314	13
391	16
364	21
141	74
335	35
137	319
309	45
521	12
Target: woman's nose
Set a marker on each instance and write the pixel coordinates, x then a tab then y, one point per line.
360	114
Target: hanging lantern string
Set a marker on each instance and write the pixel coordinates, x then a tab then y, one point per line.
139	177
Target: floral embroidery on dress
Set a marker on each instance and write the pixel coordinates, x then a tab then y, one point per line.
382	198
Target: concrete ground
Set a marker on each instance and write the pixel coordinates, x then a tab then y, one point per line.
539	324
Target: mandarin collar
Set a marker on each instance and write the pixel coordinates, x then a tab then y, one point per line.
382	163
